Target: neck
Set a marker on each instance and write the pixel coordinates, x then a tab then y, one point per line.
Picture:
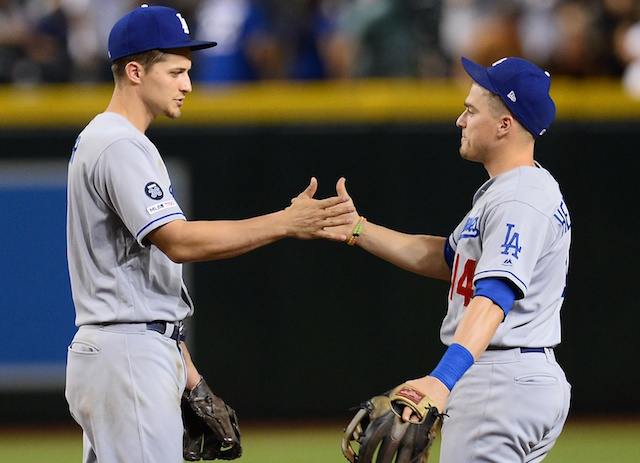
125	101
510	159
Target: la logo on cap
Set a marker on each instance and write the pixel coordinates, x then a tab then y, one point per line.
185	28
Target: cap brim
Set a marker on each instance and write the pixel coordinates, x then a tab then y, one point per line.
478	74
191	45
201	45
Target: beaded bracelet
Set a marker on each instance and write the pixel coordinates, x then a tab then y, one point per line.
356	231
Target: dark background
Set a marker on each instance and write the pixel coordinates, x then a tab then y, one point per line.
310	329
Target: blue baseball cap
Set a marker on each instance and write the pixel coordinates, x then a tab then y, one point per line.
151	28
523	87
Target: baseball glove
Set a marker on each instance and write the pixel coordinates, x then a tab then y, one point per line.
210	426
378	425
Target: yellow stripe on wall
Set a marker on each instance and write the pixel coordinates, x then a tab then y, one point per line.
332	102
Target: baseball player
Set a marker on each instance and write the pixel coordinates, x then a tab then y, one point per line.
505	398
128	368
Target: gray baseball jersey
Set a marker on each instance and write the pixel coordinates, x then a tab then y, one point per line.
119	191
512	403
518	229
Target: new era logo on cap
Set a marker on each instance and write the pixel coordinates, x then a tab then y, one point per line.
523	87
151	28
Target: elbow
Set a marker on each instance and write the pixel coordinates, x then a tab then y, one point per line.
170	239
176	254
177	259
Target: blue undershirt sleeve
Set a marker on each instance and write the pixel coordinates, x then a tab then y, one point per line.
498	290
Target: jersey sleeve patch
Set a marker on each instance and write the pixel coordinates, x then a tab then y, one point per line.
161	207
154	191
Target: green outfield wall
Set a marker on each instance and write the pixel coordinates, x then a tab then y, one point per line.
312	328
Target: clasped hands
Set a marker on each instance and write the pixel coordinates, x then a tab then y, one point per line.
331	218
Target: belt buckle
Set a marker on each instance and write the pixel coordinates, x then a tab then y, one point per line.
182	332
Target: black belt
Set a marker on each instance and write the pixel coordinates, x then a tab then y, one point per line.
523	350
168	329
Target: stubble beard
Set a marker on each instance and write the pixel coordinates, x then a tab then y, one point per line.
173	113
464	150
475	154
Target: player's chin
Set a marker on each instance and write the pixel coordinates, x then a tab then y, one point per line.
464	151
173	113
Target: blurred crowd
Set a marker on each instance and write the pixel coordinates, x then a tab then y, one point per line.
47	41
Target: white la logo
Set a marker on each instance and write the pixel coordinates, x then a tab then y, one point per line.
185	28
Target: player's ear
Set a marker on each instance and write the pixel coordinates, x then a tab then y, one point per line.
133	70
506	124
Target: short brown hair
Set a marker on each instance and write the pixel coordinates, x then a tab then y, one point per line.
497	108
146	60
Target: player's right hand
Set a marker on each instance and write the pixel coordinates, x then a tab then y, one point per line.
310	218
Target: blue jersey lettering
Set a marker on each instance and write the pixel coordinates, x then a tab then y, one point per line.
562	216
511	242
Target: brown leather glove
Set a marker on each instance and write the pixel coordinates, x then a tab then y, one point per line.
378	425
210	426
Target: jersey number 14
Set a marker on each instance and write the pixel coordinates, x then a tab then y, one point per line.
463	284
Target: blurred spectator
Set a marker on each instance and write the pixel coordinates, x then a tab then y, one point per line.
89	23
483	31
65	40
566	37
621	18
44	41
394	38
538	30
352	17
305	31
14	35
246	50
579	50
48	48
264	39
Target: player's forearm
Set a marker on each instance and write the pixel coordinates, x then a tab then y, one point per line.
421	254
193	376
221	239
478	325
224	239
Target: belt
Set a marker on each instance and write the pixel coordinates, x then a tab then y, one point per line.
528	350
168	329
523	350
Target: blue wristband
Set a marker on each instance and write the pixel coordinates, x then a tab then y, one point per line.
454	363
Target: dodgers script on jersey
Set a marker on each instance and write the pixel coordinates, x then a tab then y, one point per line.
119	191
518	229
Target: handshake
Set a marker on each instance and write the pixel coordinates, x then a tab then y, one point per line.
332	218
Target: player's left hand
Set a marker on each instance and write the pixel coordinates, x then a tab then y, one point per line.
379	428
210	426
434	388
351	215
